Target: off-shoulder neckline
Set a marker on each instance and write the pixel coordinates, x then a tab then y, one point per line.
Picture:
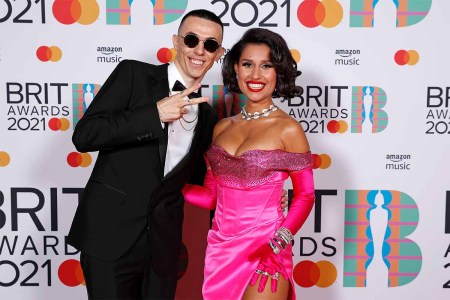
256	150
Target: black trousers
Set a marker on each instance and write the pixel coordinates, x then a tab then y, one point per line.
129	277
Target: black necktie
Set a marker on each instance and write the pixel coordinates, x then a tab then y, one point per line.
178	87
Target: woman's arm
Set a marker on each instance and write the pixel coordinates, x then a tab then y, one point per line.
202	196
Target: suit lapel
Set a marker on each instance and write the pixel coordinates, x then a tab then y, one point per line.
162	90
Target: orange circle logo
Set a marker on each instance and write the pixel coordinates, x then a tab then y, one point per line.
296	55
312	13
70	273
322	273
77	159
322	161
45	53
56	124
334	126
406	57
4	159
166	55
84	12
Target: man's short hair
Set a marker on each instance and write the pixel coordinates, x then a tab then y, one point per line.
203	14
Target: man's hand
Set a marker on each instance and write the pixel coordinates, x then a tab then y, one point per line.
173	107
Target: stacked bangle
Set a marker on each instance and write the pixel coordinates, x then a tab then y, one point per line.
280	240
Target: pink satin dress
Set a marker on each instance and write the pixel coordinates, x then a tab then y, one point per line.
248	213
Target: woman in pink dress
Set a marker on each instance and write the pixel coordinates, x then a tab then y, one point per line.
249	252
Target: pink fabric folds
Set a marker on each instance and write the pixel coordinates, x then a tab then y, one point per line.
248	190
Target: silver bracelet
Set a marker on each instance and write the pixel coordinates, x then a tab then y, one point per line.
275	249
279	242
284	234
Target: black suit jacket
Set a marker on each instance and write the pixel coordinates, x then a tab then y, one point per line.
127	192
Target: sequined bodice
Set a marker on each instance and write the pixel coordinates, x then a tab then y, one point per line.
253	167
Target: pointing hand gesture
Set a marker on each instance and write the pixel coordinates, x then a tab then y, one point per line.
173	107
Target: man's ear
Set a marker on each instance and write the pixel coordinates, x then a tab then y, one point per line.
175	41
219	53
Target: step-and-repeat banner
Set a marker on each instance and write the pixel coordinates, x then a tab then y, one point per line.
375	109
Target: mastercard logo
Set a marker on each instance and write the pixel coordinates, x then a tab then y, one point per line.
295	55
45	53
322	273
322	161
334	126
77	159
327	13
56	124
406	57
4	159
84	12
166	55
70	273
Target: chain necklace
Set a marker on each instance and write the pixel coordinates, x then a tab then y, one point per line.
256	115
186	129
188	122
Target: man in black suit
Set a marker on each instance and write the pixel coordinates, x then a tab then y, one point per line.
129	220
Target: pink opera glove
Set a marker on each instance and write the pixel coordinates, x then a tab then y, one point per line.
270	265
303	200
202	196
302	203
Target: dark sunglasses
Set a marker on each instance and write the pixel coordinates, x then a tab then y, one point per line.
191	40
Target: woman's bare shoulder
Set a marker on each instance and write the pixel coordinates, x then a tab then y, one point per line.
292	135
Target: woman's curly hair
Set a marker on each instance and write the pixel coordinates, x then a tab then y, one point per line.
280	56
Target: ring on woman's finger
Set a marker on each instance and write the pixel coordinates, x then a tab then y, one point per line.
257	271
265	273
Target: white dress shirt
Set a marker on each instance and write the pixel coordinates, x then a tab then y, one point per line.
180	132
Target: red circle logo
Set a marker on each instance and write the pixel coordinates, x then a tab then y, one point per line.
84	12
45	53
56	124
166	55
322	273
406	57
70	273
77	159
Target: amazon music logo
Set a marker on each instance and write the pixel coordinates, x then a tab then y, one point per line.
398	161
347	57
109	54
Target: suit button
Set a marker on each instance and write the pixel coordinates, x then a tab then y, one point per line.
151	135
138	138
